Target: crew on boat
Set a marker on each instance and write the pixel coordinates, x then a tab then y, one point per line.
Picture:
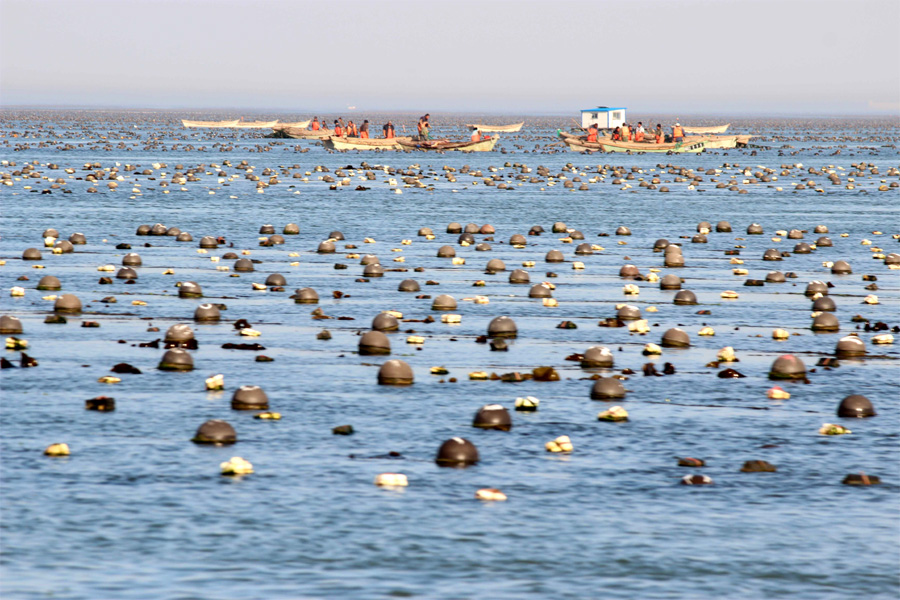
338	129
424	127
626	132
639	132
476	135
617	134
659	133
677	133
352	131
364	130
388	130
315	124
592	133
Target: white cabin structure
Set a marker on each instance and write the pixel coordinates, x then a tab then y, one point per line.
604	116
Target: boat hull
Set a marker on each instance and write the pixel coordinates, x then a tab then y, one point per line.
298	133
209	124
579	144
707	130
345	143
496	128
444	146
299	124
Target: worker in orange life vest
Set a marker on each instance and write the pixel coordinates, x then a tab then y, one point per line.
617	134
315	124
338	130
351	129
364	130
677	133
639	132
476	135
659	133
592	133
388	130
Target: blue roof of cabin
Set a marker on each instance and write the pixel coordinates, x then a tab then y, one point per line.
603	109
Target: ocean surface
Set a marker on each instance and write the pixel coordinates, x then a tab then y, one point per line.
138	511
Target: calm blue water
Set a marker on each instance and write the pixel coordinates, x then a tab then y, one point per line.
138	511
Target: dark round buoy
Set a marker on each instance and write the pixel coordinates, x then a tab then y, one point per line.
824	304
795	234
373	270
816	287
291	229
68	303
771	254
758	466
49	282
723	227
54	233
841	267
660	244
470	228
850	346
502	327
176	359
622	230
143	230
821	229
704	225
305	296
215	431
179	333
444	302
685	298
374	342
325	247
275	239
536	230
172	232
408	285
517	240
519	276
126	273
132	259
454	228
457	452
276	279
892	259
190	289
824	242
425	231
369	259
754	229
446	252
465	239
31	254
184	236
554	256
775	277
64	246
597	356
825	322
208	241
158	229
385	322
495	265
207	312
802	248
856	406
230	256
336	236
629	271
670	282
675	338
77	239
607	388
628	313
267	229
487	229
395	372
559	227
10	324
584	249
540	291
483	247
699	239
492	416
243	265
249	397
787	366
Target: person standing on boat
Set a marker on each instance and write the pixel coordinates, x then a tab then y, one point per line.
639	133
476	135
592	133
659	133
364	130
315	124
351	129
677	133
338	129
424	127
388	130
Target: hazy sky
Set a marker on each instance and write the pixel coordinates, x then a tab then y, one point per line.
684	56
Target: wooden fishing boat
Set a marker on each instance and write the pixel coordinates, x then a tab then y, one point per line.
707	130
298	133
580	144
255	124
352	143
209	124
300	124
446	145
496	128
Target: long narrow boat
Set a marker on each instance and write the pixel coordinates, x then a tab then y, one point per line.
305	134
707	130
300	124
352	143
496	128
580	144
209	124
445	145
255	124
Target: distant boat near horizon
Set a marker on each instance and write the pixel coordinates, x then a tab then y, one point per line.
239	124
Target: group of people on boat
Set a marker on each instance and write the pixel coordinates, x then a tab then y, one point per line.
351	130
637	133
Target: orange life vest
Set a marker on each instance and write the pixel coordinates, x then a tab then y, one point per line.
338	131
476	137
677	131
315	126
592	135
364	135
